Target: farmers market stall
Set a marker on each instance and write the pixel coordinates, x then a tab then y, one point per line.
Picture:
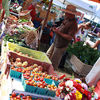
30	79
28	74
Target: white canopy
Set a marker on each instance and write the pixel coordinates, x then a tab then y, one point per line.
58	3
85	5
98	11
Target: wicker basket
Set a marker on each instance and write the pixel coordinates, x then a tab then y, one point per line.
79	67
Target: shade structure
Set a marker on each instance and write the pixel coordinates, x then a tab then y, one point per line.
98	1
98	12
58	3
85	5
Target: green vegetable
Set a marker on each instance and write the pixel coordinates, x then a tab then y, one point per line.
23	20
11	40
85	53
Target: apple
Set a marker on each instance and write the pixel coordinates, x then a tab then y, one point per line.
40	68
30	79
18	59
43	74
31	83
20	53
27	74
19	64
25	64
26	54
12	67
18	97
41	79
35	65
24	97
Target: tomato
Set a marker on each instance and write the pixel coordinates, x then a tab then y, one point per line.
13	94
18	97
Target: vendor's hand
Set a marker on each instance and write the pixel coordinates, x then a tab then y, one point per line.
55	30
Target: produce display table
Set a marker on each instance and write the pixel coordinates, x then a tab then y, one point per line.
15	85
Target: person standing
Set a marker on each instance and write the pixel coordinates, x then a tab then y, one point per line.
33	10
64	34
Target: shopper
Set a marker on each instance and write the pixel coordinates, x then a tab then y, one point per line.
97	43
83	30
64	34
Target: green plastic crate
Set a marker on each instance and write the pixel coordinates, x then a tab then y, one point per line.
15	74
37	55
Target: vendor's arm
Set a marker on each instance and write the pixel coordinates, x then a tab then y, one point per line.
66	36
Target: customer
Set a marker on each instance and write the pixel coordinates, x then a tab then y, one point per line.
83	30
64	34
97	43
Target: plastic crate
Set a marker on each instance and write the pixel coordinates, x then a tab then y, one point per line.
15	74
37	55
35	96
23	79
41	91
51	93
29	88
37	90
50	81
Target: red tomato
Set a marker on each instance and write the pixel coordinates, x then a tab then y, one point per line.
13	94
18	97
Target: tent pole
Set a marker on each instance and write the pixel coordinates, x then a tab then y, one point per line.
45	20
64	1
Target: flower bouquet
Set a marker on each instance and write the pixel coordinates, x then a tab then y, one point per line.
73	90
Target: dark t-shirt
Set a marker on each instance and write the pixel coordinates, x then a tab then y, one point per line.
68	26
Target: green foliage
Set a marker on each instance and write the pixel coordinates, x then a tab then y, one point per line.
23	20
85	53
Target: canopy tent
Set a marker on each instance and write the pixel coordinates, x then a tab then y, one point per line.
98	11
58	3
84	5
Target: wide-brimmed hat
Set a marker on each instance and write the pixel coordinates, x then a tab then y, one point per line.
72	10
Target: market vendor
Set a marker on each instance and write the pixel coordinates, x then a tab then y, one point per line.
64	34
33	11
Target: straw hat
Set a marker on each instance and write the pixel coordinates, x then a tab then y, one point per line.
72	10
